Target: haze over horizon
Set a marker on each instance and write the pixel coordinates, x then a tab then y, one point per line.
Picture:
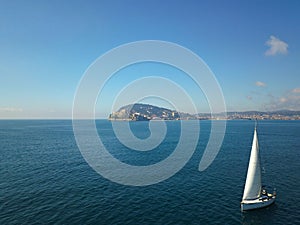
252	48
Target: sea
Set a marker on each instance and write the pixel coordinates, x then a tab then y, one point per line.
44	178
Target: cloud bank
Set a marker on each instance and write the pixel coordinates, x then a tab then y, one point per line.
276	46
290	100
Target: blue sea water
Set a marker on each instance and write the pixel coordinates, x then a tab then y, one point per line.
45	180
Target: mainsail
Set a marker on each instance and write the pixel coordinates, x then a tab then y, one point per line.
253	181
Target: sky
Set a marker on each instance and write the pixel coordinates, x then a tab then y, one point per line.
252	48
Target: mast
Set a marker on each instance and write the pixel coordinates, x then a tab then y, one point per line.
253	181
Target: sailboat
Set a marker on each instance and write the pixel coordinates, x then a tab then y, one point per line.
255	196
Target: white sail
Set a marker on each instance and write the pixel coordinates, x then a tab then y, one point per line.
253	181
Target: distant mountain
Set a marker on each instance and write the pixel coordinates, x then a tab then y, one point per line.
272	112
141	111
286	112
279	112
273	115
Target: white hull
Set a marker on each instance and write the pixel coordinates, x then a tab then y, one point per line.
256	204
253	190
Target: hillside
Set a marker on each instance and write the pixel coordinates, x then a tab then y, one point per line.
143	112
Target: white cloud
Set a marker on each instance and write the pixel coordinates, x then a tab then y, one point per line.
283	100
296	90
260	84
11	109
276	46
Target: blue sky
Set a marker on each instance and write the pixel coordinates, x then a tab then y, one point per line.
252	47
